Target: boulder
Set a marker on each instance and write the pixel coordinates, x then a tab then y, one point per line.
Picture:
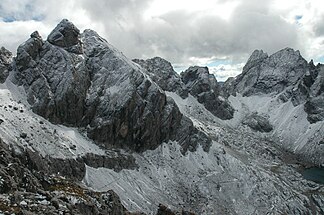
258	122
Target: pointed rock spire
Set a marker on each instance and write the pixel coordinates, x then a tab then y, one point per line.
67	36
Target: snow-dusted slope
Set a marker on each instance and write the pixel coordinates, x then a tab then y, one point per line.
291	130
24	129
240	174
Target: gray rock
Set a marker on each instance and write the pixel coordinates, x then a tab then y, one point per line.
205	88
67	36
314	107
30	184
162	73
264	75
125	108
5	61
55	80
100	90
257	122
117	162
285	73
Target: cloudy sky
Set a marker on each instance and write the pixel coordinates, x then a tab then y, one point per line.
218	33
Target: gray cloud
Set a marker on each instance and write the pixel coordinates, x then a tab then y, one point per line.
180	36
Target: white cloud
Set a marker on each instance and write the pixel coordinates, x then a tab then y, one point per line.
183	32
224	71
15	33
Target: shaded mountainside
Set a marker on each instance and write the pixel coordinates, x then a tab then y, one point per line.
288	93
195	80
92	85
28	186
85	130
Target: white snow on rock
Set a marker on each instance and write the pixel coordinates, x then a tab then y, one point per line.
221	181
292	130
23	129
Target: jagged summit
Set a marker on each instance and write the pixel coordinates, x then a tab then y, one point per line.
101	90
161	71
203	85
67	36
265	74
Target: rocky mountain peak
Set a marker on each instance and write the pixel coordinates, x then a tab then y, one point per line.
161	72
265	74
67	36
256	57
100	90
203	85
197	76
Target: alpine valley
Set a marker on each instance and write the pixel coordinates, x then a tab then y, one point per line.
85	130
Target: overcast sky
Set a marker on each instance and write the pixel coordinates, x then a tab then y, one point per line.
218	33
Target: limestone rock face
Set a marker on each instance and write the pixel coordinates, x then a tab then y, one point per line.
285	73
67	36
265	74
55	80
100	90
31	184
5	60
162	73
205	88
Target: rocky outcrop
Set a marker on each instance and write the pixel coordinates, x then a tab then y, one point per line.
314	105
257	122
162	73
67	36
265	74
55	80
28	187
308	91
285	73
205	88
164	210
117	162
100	89
5	61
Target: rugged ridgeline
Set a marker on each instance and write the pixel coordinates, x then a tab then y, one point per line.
285	73
92	85
196	80
294	108
149	135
